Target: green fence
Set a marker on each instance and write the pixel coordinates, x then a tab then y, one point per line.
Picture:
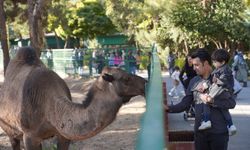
152	134
63	61
59	60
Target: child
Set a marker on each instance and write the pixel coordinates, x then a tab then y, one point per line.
176	81
222	80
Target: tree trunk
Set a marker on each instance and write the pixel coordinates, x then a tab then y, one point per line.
36	13
66	42
216	44
186	47
220	45
57	41
6	56
226	46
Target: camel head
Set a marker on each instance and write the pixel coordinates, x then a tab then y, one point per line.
125	84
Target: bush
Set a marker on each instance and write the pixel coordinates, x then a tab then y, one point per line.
180	62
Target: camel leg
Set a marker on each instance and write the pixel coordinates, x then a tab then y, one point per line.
31	143
15	143
62	143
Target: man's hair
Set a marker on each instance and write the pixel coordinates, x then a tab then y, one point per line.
203	55
221	55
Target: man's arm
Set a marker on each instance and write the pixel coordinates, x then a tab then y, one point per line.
182	106
186	100
224	101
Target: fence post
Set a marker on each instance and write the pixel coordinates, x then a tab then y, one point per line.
152	134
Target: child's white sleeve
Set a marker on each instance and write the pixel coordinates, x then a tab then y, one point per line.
175	76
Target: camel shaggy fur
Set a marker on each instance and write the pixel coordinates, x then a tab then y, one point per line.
35	103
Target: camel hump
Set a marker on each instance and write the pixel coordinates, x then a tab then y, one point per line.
27	55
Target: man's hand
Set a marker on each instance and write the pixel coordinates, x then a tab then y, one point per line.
206	98
165	106
201	87
214	79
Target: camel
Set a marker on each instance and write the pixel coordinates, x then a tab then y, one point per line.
36	104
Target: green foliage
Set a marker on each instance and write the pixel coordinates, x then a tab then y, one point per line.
144	62
216	22
57	15
125	14
90	20
247	2
180	62
16	14
81	19
52	147
178	25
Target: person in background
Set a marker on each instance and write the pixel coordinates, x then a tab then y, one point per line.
171	62
117	59
240	68
111	59
176	82
75	60
80	61
138	60
100	62
49	55
131	62
187	72
216	137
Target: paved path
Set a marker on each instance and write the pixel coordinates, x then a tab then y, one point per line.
240	115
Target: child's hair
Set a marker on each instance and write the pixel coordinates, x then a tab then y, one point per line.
176	68
220	55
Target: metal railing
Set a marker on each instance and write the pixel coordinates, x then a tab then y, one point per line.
152	135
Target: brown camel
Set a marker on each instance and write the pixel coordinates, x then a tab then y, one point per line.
35	103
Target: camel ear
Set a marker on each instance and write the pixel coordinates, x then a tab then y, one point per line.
108	77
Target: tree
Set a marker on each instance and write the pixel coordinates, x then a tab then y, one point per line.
126	15
37	13
219	22
17	19
57	21
247	2
90	21
79	20
4	43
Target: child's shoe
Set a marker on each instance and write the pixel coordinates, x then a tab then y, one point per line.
205	125
232	130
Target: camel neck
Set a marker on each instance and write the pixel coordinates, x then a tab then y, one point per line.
81	121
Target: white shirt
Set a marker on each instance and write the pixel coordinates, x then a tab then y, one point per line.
175	75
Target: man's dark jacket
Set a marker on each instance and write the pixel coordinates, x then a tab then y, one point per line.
222	101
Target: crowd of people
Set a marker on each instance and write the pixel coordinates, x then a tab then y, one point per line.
209	83
129	60
120	59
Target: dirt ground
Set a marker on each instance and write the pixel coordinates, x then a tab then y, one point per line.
120	135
